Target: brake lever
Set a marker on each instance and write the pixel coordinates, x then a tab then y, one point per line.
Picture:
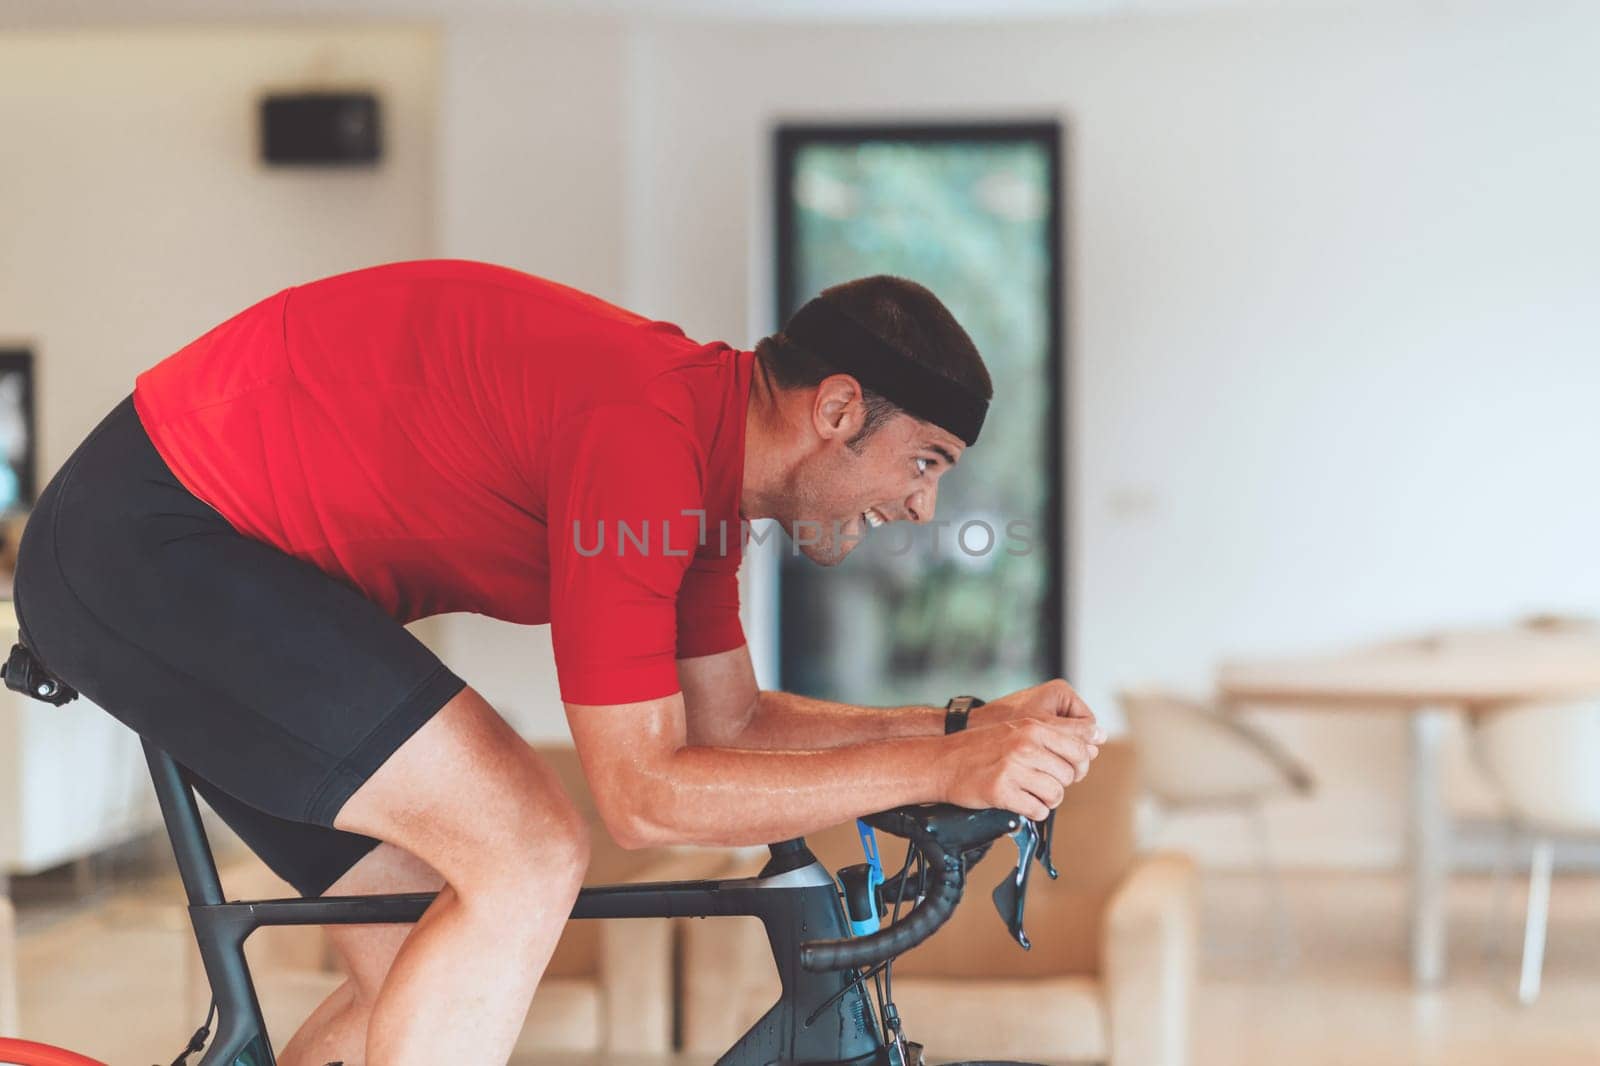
1011	895
1048	835
1034	840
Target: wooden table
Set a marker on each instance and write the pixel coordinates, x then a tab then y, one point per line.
1430	678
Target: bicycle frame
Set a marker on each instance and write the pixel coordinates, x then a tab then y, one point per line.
794	896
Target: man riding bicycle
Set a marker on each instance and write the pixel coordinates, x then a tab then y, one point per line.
226	563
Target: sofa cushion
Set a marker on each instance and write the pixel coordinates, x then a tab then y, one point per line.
566	1016
1061	1019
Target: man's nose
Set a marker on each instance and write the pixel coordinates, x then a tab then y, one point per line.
920	504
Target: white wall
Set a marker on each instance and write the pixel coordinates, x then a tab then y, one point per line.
136	215
1333	331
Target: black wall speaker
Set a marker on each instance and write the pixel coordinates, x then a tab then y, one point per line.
340	129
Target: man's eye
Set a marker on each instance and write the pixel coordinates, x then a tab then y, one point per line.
922	466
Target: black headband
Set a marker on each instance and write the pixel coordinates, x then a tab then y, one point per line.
837	339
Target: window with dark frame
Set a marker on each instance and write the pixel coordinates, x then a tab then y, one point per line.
974	603
18	442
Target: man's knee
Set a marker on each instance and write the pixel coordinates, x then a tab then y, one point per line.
472	799
575	847
552	849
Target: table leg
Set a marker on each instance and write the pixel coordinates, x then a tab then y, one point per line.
1430	846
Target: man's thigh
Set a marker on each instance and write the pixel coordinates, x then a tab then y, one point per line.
474	800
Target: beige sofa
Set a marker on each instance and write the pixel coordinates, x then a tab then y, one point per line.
1110	978
609	988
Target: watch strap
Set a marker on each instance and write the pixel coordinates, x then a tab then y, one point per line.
957	711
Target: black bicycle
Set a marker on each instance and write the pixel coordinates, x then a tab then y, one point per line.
825	931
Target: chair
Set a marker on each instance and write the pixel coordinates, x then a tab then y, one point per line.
609	987
1110	978
1542	760
1194	755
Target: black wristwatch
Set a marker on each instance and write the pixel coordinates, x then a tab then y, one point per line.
956	711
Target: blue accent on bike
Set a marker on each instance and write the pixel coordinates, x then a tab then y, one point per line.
869	844
871	925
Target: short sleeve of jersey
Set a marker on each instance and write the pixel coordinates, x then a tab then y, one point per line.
626	495
708	601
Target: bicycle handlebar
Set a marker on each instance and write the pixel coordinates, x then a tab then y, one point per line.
943	834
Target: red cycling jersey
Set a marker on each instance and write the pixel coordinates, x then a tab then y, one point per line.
454	436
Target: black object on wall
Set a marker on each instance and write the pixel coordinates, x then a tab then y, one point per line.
321	129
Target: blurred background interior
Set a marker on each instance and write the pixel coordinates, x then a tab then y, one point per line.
1292	312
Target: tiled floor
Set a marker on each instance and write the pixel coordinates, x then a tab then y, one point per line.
104	976
1348	999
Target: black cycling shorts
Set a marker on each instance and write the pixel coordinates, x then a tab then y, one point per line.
278	688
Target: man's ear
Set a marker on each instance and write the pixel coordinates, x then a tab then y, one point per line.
838	410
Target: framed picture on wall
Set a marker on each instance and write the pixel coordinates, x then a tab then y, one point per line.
18	443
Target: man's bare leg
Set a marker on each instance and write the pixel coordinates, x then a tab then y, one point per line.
469	797
337	1030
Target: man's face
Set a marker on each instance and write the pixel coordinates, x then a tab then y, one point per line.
892	476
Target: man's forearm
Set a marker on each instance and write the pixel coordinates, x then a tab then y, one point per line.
723	797
784	721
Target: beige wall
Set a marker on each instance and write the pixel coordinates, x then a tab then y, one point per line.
136	214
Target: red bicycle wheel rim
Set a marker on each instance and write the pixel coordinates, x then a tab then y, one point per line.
27	1053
